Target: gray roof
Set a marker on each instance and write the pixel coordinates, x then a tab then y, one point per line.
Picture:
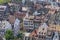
3	8
2	30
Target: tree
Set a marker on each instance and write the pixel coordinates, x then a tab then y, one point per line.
9	35
20	35
4	1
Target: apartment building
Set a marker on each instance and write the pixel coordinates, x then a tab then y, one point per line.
40	33
56	36
4	25
46	0
53	27
28	25
3	12
57	0
30	36
50	0
26	36
42	30
37	21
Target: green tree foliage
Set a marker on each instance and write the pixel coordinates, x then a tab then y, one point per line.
1	1
20	35
9	35
4	1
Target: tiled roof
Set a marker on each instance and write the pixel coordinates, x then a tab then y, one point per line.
20	14
11	19
34	33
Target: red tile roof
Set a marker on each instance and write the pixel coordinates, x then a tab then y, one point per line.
20	14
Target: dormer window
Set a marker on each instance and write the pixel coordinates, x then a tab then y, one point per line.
43	29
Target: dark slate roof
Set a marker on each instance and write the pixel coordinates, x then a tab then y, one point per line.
43	3
59	4
45	10
32	9
29	4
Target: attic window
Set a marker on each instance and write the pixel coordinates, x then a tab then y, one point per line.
39	32
56	36
43	29
44	33
4	23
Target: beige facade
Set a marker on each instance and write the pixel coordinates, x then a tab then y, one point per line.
57	0
42	30
28	24
11	19
54	27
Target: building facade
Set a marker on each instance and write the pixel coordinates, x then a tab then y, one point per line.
28	25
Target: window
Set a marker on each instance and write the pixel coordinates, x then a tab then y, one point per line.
30	23
27	38
44	33
39	32
54	0
50	0
25	23
33	38
1	8
43	29
56	36
30	26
